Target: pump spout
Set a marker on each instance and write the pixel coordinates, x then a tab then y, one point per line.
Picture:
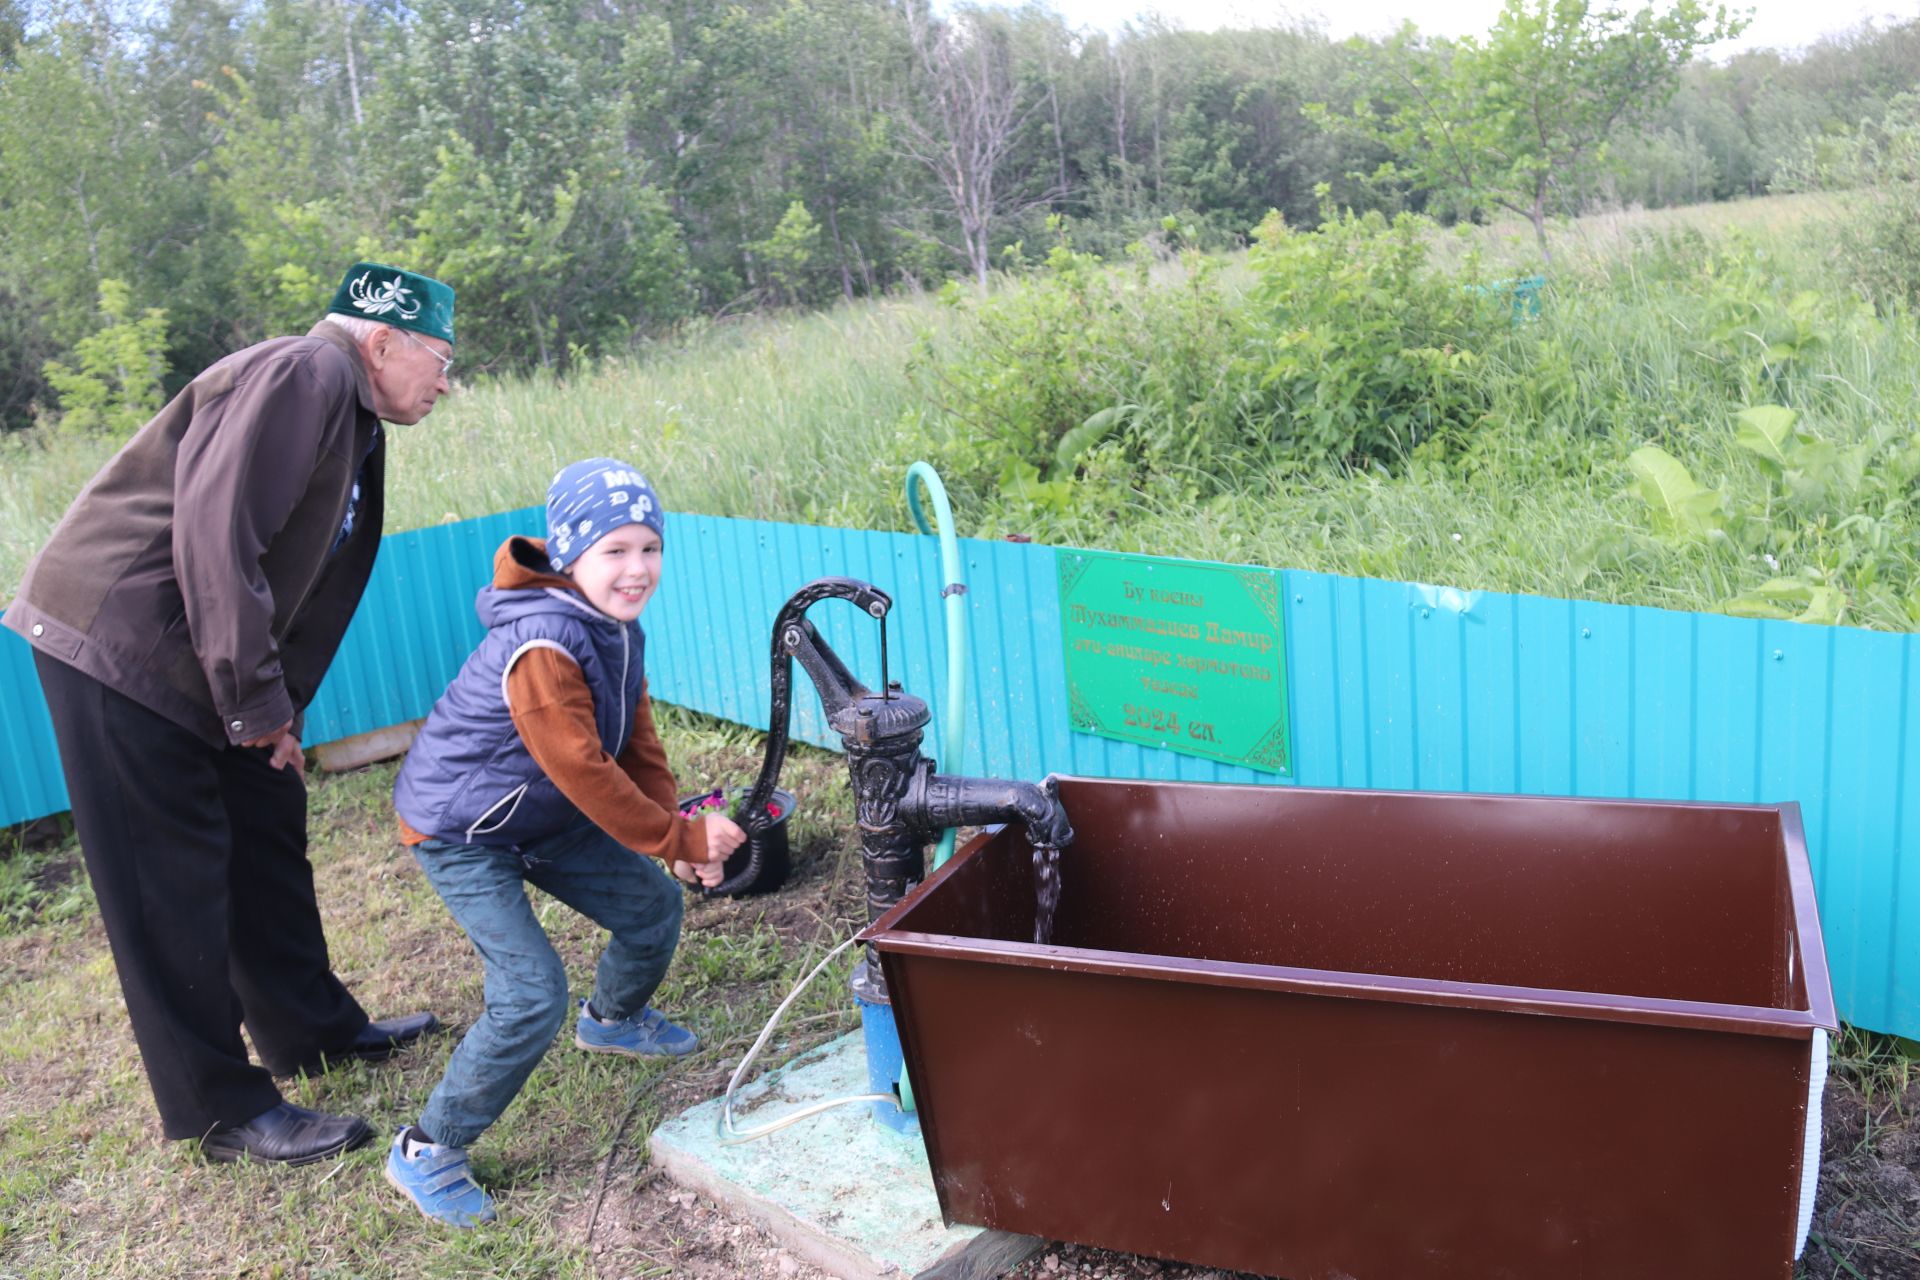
944	801
901	803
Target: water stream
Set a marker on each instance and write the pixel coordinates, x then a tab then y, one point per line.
1046	891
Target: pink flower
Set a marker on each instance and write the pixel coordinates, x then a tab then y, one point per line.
717	800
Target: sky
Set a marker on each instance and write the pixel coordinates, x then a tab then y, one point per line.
1779	24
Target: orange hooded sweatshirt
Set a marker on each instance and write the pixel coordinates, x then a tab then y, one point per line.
632	798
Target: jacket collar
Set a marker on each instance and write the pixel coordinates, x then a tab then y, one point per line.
333	334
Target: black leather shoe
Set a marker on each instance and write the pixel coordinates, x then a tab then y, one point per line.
379	1041
287	1135
376	1042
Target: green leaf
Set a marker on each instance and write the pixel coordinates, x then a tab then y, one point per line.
1790	599
1681	509
1767	429
1021	480
1825	607
1815	469
1754	607
1066	455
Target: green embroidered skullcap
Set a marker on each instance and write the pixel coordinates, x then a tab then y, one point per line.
391	295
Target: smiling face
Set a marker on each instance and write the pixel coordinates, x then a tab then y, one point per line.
618	574
408	372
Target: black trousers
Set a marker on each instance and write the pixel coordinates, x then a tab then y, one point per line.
199	859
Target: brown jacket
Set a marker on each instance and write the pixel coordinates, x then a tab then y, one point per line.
193	573
632	797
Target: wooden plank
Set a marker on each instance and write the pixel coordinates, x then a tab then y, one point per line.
363	749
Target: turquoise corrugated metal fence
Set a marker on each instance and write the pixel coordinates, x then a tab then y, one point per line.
414	629
30	782
1394	685
415	625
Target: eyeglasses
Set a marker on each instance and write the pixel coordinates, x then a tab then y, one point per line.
446	362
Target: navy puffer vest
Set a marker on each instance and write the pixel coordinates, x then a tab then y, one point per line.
468	778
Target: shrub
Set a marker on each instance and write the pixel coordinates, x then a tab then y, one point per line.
1095	386
1877	240
117	386
1368	351
1086	369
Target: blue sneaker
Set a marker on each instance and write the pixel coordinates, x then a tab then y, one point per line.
439	1182
647	1034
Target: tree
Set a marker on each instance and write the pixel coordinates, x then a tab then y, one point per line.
1510	120
788	255
512	122
821	73
964	122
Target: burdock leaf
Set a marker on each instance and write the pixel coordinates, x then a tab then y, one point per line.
1681	509
1767	429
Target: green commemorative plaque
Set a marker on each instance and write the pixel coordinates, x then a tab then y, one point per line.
1177	654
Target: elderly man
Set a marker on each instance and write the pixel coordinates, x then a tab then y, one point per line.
182	615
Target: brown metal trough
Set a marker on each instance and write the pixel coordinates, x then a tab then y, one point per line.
1354	1035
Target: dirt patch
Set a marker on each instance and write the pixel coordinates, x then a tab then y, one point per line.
55	873
40	833
656	1228
1866	1218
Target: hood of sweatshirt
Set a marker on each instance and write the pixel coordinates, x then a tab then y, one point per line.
524	584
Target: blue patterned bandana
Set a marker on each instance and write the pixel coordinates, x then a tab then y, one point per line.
591	499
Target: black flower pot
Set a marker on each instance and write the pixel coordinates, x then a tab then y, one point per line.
760	865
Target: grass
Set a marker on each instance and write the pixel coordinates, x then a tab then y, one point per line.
39	885
1599	239
39	476
808	418
87	1187
1653	332
775	416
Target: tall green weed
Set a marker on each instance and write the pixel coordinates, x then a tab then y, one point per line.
1097	387
1626	445
1761	420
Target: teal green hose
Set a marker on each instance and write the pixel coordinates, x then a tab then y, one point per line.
953	736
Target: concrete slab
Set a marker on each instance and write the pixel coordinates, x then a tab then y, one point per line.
849	1195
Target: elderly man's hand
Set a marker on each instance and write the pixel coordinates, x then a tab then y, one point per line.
270	737
287	752
285	748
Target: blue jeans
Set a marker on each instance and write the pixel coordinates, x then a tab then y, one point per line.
526	984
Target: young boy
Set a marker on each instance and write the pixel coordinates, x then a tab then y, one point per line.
540	763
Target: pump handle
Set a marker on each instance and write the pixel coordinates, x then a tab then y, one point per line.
795	637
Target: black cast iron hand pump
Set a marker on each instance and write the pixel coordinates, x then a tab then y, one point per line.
902	804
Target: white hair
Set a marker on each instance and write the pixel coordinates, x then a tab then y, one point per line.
359	328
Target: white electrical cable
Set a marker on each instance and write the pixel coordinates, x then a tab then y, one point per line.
723	1123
